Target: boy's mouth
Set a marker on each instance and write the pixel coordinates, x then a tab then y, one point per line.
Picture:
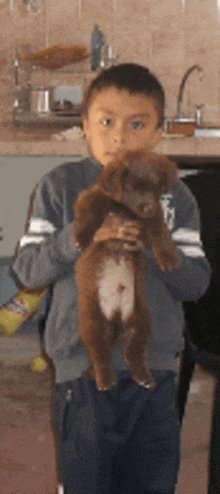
110	156
113	155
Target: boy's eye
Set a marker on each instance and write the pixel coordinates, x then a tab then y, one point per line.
136	125
108	122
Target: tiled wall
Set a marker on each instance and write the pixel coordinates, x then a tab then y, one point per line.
168	36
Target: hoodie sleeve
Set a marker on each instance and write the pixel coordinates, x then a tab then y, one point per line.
46	251
190	280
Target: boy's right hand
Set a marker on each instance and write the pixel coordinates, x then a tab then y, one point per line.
114	228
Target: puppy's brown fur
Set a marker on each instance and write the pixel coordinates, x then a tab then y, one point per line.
112	308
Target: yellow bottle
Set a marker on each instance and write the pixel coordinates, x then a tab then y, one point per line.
18	309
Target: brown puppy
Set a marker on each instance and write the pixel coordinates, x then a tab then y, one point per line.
112	308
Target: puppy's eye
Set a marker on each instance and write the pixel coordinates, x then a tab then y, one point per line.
107	122
128	187
136	125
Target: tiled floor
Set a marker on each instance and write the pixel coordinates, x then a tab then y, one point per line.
193	476
28	452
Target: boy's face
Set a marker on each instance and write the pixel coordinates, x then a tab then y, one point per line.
119	121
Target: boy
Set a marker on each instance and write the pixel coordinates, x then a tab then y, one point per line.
125	440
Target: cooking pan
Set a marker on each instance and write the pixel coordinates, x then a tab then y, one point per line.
57	56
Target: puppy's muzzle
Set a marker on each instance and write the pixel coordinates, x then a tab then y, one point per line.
146	208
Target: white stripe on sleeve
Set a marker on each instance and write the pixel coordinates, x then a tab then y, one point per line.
28	239
191	250
187	235
39	225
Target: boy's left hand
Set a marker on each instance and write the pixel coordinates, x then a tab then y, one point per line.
128	231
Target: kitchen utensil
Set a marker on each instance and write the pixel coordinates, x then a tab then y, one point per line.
57	56
40	100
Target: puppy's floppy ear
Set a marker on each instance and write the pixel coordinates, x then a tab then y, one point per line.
169	172
111	179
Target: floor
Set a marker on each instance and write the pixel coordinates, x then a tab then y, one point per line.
28	450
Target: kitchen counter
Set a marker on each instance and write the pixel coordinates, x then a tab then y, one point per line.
39	141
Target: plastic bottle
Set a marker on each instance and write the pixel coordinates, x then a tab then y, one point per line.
19	308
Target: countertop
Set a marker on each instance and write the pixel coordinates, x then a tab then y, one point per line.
39	141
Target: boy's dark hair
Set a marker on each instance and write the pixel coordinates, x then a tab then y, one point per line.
134	78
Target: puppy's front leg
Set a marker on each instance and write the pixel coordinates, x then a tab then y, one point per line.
163	247
165	252
89	212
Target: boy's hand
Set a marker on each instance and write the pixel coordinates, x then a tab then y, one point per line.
127	231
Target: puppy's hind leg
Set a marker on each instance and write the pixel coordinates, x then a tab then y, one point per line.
135	346
94	334
137	332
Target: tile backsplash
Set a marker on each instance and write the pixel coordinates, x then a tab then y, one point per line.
168	36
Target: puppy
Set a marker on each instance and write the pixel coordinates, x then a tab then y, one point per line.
112	308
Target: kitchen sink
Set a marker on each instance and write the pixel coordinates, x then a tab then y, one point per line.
189	128
210	132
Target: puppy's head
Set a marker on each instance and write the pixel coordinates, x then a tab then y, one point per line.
166	170
137	180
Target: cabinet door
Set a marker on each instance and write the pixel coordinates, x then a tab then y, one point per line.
18	177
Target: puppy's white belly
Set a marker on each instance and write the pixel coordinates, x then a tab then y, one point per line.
116	288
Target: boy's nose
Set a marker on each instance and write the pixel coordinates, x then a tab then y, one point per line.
119	134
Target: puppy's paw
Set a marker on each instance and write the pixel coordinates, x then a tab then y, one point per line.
146	385
104	383
167	260
144	378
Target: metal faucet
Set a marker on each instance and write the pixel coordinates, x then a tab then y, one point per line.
181	89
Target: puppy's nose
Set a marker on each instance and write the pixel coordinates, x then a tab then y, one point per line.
145	207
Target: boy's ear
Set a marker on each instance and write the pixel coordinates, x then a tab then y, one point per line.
85	127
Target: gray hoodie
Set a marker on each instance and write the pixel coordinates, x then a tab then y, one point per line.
47	255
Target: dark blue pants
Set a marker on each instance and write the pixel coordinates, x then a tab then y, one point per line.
123	441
